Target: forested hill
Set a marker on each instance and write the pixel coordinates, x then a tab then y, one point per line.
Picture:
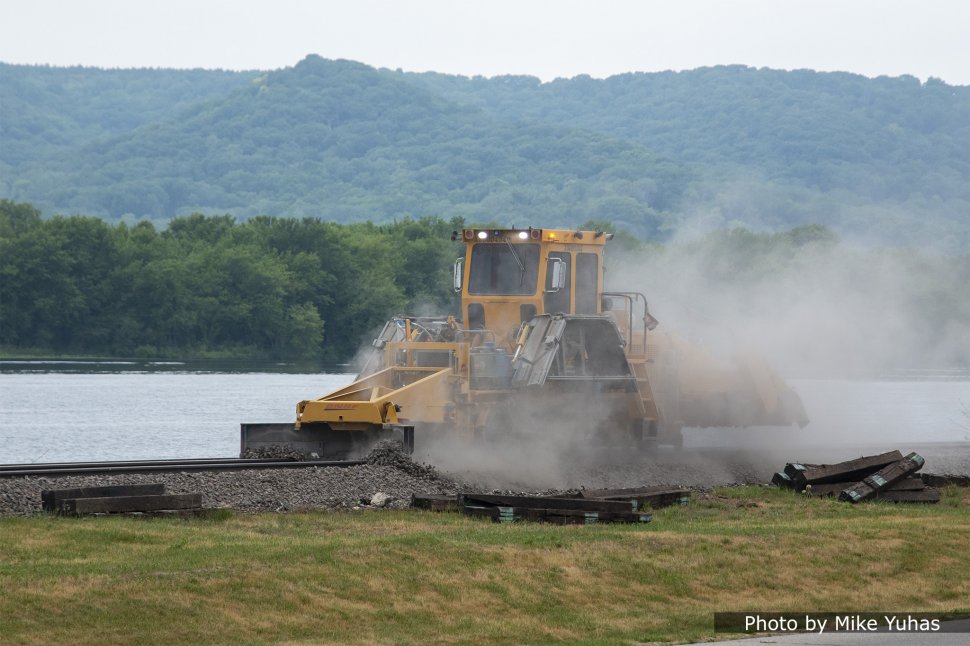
343	141
883	159
48	111
800	126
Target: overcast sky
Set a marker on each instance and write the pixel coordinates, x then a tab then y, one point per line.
548	39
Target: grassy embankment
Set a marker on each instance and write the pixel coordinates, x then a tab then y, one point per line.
420	577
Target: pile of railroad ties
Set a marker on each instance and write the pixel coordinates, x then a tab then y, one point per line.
887	476
589	507
144	499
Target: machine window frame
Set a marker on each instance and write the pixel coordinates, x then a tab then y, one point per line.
587	283
552	302
495	272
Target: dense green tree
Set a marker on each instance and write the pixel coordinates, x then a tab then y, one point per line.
309	289
207	285
883	160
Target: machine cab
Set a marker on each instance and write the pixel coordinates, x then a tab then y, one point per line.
508	276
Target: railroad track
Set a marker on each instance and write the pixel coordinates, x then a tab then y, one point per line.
163	466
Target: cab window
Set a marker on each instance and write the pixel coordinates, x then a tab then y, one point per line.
504	269
587	283
554	302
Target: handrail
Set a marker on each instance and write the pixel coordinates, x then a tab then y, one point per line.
631	297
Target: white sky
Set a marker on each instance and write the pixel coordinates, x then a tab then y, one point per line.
544	38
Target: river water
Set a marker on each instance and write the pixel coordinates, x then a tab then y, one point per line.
53	412
61	411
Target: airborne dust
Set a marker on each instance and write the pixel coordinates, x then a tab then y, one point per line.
875	341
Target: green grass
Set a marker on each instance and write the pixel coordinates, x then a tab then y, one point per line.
406	577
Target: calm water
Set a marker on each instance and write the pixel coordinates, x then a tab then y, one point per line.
109	411
132	411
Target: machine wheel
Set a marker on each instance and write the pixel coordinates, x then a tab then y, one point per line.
671	435
646	434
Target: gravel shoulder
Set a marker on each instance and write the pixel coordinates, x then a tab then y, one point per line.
397	476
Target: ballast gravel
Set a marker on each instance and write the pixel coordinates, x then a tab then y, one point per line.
396	476
389	472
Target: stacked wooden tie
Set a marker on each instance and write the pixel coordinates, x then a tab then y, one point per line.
120	499
590	507
887	476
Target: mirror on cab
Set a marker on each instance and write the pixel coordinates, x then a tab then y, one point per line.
557	274
459	273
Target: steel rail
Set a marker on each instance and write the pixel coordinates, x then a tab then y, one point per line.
114	463
164	466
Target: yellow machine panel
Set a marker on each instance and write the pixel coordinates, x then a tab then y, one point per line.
537	343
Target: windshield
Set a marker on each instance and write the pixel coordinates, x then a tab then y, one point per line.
504	269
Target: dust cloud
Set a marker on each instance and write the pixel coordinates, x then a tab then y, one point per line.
876	341
529	450
812	309
852	328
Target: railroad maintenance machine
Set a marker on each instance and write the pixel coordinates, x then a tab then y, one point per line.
538	347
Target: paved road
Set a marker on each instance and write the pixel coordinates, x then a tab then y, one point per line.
961	638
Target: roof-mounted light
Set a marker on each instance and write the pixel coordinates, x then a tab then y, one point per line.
482	235
469	234
523	235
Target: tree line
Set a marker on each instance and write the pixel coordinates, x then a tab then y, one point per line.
208	286
286	288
